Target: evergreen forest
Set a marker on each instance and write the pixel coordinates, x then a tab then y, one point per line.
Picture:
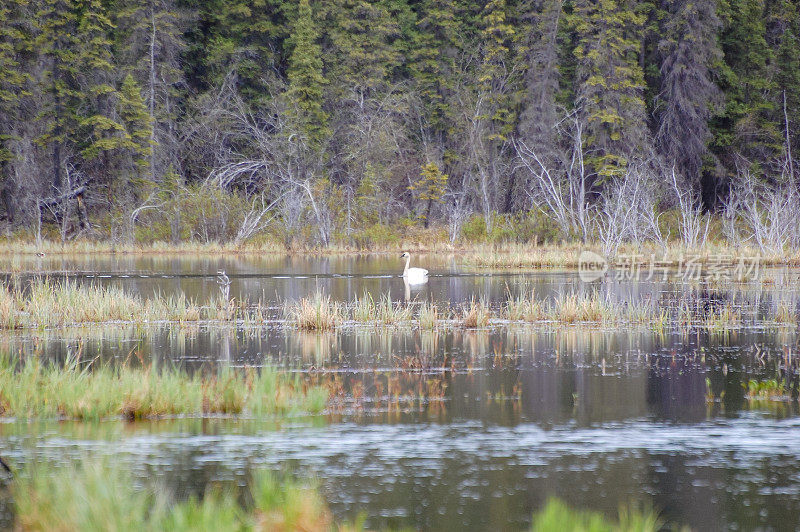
356	121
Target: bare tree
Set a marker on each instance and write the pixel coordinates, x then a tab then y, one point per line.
627	211
559	187
768	211
692	230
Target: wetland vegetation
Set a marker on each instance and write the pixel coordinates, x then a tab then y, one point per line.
482	387
44	303
87	390
201	209
44	499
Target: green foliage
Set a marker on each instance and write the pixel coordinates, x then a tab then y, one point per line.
557	516
101	495
765	389
523	227
744	127
376	235
610	81
433	58
32	389
136	120
430	187
346	99
13	78
194	212
304	73
362	53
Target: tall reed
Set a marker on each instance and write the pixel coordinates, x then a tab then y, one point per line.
429	316
476	314
317	313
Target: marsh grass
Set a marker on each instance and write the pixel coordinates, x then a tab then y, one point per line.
33	389
390	313
574	308
101	495
363	309
526	308
44	303
476	314
722	319
316	313
430	316
556	516
382	312
567	255
523	256
784	313
764	390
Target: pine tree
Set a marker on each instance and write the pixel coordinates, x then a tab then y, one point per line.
784	36
744	127
430	188
496	76
149	45
136	119
58	43
361	55
73	41
304	72
610	82
99	131
688	95
14	39
433	62
238	37
498	80
12	76
542	80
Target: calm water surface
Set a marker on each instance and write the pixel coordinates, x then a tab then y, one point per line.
455	429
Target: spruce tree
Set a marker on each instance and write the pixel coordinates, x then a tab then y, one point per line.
99	131
543	77
688	95
744	128
784	36
433	61
74	44
306	81
149	45
361	55
57	42
610	82
12	76
236	37
136	119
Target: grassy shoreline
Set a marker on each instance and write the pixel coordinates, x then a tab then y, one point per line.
30	389
476	254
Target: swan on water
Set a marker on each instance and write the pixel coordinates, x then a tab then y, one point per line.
413	275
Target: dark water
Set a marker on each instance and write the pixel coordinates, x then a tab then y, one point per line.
459	429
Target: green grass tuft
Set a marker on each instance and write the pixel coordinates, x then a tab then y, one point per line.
100	495
33	389
556	516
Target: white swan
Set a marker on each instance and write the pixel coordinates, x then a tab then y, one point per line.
413	275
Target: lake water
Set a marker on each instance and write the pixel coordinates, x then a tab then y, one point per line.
455	429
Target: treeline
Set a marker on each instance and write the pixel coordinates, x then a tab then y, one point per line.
220	119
